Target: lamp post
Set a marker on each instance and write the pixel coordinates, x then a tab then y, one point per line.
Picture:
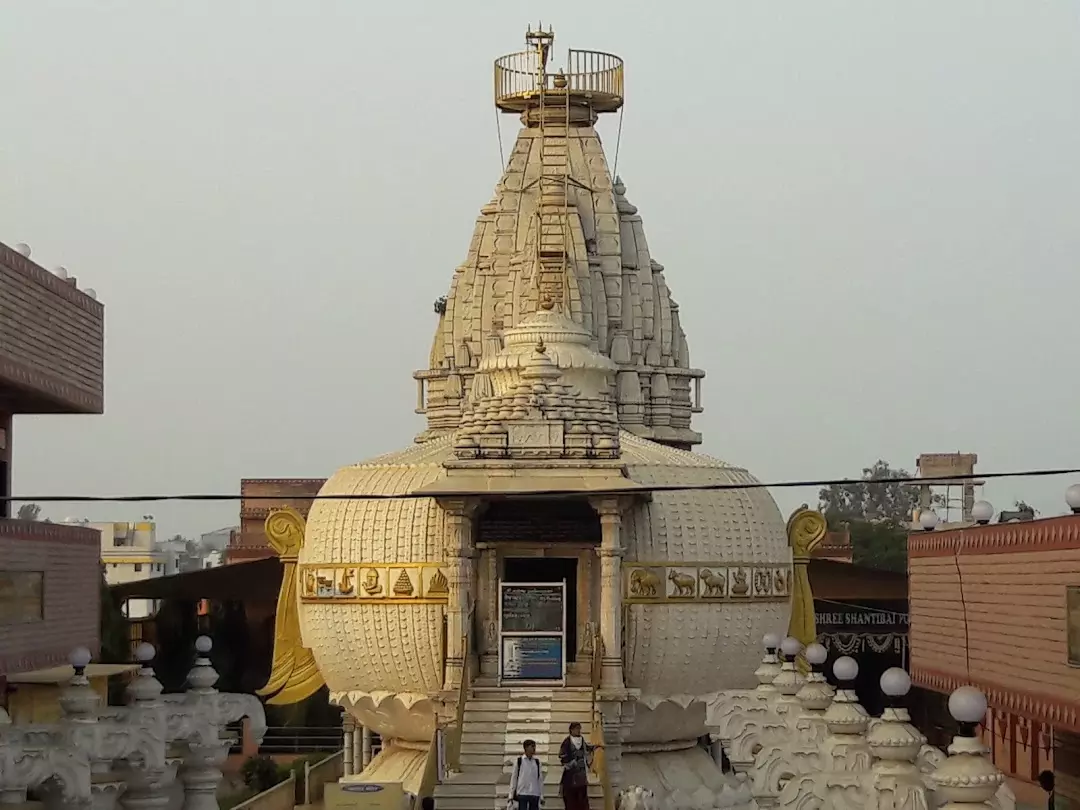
967	779
770	665
790	680
929	520
1072	498
982	512
817	693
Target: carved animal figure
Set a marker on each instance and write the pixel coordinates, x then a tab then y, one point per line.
715	584
781	582
684	583
309	583
739	586
644	582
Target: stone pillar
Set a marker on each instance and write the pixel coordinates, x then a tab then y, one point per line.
610	553
365	758
347	737
358	763
460	551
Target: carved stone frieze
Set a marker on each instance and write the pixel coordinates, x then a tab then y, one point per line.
681	582
374	583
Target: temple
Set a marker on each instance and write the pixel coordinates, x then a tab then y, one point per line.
548	549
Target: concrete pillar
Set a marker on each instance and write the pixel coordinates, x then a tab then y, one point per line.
347	735
610	553
358	749
459	557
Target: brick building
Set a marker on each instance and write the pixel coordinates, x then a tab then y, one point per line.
258	497
998	607
51	362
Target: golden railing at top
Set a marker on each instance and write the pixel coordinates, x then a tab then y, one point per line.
592	78
600	756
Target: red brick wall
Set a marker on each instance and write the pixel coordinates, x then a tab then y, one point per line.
987	607
258	497
70	557
52	338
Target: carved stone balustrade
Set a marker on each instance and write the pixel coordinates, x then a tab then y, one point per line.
34	757
728	713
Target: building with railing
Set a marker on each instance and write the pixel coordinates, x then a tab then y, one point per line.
998	607
131	552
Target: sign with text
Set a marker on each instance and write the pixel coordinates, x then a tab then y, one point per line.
887	617
532	658
364	796
532	608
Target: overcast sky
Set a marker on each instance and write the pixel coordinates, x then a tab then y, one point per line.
868	213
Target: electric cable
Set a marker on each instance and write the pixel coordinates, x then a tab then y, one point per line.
643	488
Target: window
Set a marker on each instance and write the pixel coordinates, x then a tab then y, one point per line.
138	567
22	596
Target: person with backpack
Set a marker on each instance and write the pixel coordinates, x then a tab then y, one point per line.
527	779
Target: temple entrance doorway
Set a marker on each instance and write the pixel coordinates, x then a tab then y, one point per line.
550	569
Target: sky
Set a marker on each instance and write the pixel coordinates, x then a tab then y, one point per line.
866	211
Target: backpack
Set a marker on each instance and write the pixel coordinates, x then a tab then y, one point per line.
517	773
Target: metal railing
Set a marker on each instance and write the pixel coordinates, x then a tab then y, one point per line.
281	796
594	76
301	740
317	776
599	765
453	738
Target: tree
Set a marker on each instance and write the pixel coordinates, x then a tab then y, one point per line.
892	501
877	515
29	511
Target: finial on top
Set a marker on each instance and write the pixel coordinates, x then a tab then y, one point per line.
541	348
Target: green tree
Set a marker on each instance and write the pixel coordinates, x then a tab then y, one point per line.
29	511
877	513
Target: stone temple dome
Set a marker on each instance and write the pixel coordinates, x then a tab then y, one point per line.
558	398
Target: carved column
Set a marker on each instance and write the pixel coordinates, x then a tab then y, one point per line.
347	725
460	551
365	758
610	553
360	733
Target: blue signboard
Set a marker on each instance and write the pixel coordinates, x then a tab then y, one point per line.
532	658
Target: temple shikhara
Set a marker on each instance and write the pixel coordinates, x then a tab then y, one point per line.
550	547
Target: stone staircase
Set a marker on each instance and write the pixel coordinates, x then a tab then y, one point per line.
497	720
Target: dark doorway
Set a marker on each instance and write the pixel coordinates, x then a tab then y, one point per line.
550	569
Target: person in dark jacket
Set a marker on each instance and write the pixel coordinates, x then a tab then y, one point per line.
1046	782
576	755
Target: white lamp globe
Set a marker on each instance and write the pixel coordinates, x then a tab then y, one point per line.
1072	498
845	668
203	644
144	653
790	647
816	654
895	682
79	658
982	512
928	519
771	641
967	705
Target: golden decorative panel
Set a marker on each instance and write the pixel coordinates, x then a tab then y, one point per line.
373	583
673	583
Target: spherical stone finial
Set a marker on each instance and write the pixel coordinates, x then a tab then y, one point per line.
816	654
845	668
928	519
144	653
982	512
790	647
203	644
771	641
1072	498
23	249
79	658
560	80
895	682
967	705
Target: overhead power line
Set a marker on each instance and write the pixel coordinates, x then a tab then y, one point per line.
823	482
